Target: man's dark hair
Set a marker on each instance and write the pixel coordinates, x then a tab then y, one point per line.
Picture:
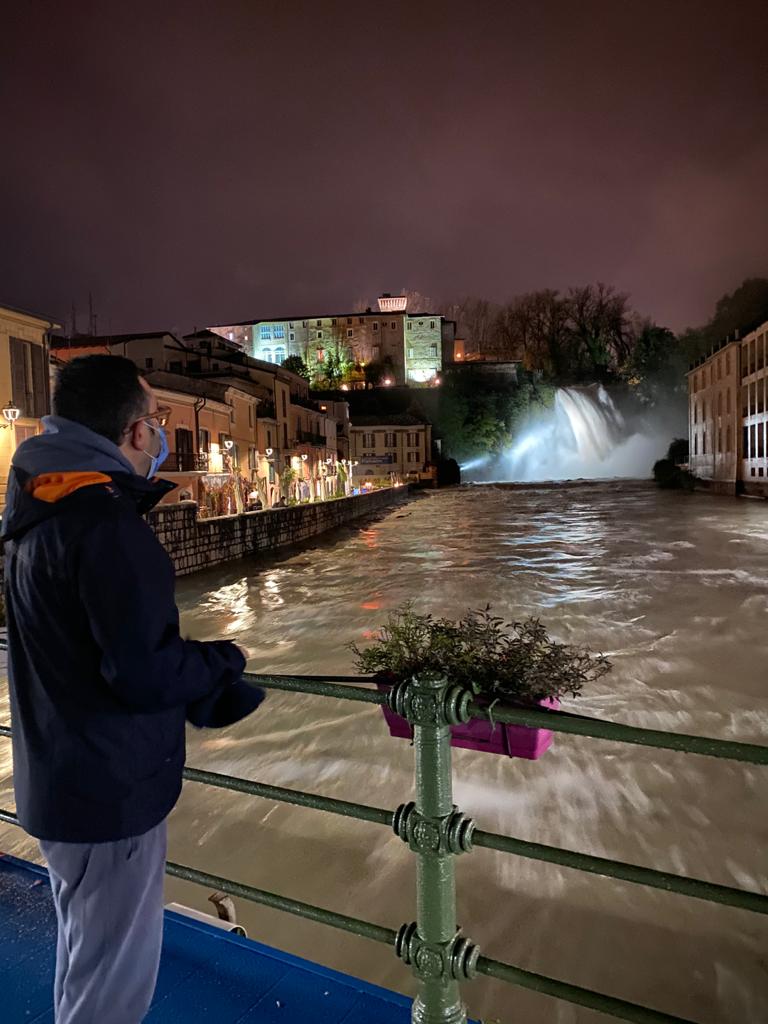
104	393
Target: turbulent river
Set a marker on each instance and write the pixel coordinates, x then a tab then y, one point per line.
674	588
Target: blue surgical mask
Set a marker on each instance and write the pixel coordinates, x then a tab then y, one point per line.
162	455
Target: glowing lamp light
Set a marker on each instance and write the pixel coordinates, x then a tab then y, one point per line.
229	445
304	457
11	413
269	452
345	387
387	382
329	460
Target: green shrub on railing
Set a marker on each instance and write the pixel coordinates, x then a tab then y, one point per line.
516	661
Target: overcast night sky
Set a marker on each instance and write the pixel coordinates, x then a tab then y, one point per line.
196	163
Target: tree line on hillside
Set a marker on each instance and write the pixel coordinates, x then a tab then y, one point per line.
591	332
586	335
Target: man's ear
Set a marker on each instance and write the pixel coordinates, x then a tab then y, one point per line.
138	436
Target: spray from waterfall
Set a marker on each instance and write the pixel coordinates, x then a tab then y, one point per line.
584	436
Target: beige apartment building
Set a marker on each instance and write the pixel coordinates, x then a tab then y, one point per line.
237	424
396	448
24	381
728	416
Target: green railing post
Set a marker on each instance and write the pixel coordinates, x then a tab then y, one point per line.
435	830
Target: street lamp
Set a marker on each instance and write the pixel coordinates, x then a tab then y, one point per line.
11	413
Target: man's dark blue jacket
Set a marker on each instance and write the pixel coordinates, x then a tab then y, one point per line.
101	682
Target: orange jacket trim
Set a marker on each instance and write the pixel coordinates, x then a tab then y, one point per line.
52	487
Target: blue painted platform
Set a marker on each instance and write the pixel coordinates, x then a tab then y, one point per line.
206	974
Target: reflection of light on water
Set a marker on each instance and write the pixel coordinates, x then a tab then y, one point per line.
271	584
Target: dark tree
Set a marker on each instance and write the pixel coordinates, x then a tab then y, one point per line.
295	364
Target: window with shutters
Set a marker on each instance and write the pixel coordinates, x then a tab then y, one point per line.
29	378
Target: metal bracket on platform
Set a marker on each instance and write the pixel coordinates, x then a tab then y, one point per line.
455	959
444	705
451	833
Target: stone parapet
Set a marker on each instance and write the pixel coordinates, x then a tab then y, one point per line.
196	544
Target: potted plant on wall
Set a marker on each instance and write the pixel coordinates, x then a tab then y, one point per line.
515	663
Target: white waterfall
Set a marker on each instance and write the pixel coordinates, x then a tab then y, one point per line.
583	437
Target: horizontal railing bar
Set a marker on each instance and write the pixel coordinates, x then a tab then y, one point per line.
5	730
355	925
598	728
682	885
331	679
695	888
618	1008
363	812
319	687
557	721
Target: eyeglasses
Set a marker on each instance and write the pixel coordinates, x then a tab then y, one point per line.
161	415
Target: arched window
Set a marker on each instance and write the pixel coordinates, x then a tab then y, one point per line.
279	353
266	355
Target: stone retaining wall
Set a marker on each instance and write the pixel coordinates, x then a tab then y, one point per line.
195	544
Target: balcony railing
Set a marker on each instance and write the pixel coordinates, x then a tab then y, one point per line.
436	832
305	403
265	410
309	437
185	462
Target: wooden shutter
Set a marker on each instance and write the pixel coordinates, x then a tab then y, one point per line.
39	382
18	376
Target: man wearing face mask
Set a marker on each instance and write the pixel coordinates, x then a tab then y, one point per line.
101	682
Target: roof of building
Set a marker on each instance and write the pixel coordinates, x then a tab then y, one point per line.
184	385
375	313
43	317
99	340
388	420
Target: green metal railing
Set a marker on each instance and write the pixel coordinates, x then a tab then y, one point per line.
436	831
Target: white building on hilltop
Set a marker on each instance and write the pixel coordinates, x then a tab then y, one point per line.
407	345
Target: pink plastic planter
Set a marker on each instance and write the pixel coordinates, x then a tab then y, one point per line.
512	740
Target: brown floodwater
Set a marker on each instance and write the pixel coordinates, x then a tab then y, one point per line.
674	588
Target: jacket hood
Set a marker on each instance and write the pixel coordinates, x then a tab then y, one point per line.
65	458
